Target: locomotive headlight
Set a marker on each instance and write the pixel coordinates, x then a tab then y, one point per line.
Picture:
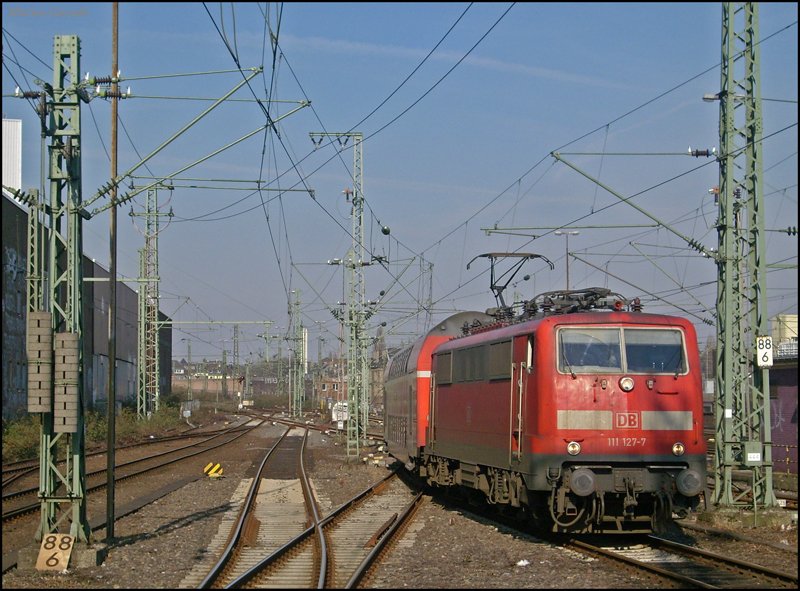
573	448
581	481
689	483
626	384
678	449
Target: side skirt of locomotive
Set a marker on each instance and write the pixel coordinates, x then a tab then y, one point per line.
629	509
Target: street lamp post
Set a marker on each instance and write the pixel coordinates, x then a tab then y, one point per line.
567	235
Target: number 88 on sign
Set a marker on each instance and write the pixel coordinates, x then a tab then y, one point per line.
764	351
55	552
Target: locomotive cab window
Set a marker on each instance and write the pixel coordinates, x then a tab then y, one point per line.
589	350
654	351
616	350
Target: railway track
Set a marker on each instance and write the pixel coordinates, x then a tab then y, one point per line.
676	563
376	435
15	503
14	471
279	539
686	565
360	529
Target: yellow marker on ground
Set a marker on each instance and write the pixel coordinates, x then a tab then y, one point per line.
213	470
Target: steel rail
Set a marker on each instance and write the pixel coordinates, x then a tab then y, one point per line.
14	513
236	533
383	538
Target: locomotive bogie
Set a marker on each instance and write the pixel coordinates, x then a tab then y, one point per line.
498	485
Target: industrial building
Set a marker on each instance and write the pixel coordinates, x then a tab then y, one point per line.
95	292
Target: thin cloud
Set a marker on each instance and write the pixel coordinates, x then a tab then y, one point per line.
340	46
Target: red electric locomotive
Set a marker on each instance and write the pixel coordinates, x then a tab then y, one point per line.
584	415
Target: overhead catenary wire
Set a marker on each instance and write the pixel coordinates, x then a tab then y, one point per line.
395	119
587	134
295	164
630	197
232	41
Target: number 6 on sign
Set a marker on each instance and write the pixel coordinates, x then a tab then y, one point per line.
55	552
764	351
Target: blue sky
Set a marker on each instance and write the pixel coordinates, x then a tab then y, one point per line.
462	146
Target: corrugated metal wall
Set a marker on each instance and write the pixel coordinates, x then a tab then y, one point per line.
95	309
15	367
12	153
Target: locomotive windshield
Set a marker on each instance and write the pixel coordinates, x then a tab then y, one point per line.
620	350
654	351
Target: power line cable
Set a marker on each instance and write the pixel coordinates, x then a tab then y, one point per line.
626	199
404	111
22	45
604	126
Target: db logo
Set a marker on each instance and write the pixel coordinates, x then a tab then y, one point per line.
626	420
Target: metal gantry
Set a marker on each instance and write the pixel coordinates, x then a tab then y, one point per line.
54	285
267	338
355	314
297	372
742	406
148	390
236	351
190	391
